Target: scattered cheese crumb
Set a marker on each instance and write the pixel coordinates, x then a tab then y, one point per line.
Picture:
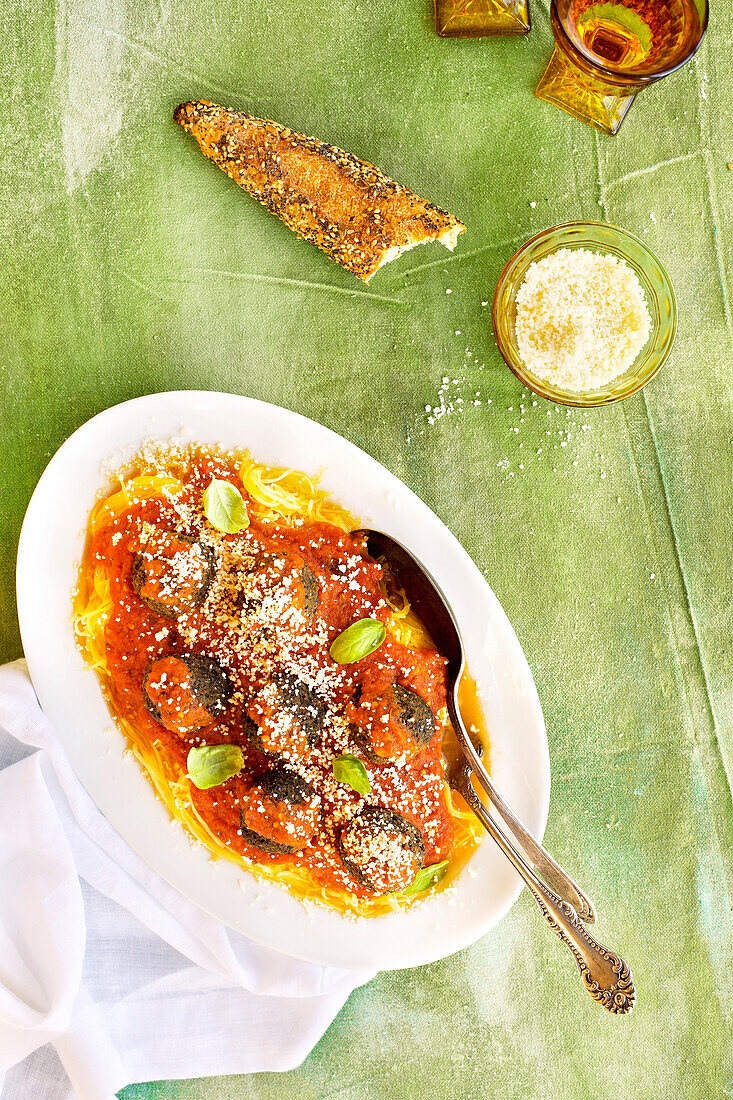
582	319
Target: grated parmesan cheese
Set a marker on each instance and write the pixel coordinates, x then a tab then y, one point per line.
582	319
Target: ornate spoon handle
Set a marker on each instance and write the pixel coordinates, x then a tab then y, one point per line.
554	875
605	976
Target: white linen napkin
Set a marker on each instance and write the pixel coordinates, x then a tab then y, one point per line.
107	974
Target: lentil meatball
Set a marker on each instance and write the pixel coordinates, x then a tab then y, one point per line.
186	692
397	723
172	573
381	849
281	812
284	718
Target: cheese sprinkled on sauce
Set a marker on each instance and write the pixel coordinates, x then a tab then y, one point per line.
582	319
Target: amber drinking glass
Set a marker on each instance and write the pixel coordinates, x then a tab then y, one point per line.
473	18
606	53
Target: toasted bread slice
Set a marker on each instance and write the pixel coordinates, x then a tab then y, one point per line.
352	211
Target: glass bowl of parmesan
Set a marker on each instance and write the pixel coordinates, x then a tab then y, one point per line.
584	314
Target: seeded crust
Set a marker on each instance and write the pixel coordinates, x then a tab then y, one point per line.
389	820
167	611
347	207
210	684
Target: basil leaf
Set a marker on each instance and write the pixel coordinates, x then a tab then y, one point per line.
428	877
224	507
357	641
213	764
349	769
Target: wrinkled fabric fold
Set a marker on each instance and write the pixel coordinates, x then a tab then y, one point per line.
107	974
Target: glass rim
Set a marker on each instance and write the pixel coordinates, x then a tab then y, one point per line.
615	75
593	398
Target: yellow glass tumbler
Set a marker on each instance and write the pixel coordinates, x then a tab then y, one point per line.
474	18
606	53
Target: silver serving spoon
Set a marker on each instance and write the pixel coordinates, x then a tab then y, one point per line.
607	978
432	608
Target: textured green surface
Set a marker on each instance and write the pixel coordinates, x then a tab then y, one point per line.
130	264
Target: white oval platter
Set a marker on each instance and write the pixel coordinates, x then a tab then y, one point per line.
51	545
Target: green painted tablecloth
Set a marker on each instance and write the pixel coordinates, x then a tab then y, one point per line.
131	265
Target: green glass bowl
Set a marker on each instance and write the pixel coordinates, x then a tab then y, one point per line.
597	237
